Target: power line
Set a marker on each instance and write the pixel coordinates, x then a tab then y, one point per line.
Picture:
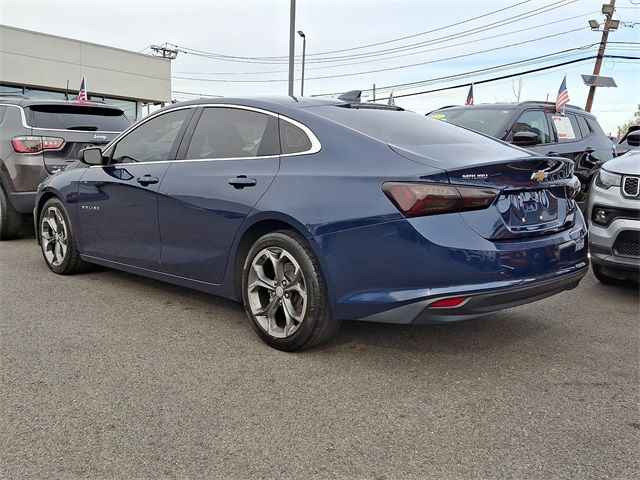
402	55
388	68
472	31
494	79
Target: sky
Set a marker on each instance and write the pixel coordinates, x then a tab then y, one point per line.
441	39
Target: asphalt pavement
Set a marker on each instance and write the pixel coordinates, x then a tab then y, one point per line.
109	375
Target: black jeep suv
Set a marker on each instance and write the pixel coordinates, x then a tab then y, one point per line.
41	137
536	126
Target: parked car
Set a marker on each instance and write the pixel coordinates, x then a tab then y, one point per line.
614	210
623	146
315	211
536	126
41	137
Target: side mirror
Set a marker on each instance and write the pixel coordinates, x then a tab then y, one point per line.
91	156
525	139
633	139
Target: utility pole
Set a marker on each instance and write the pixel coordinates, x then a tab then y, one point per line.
292	42
608	11
374	92
304	52
165	52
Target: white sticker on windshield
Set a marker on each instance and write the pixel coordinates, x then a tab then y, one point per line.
563	127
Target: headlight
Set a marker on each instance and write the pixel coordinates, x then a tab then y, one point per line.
607	179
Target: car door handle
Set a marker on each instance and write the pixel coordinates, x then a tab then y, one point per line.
553	154
147	180
241	181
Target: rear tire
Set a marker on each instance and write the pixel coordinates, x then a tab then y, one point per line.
285	294
10	219
58	241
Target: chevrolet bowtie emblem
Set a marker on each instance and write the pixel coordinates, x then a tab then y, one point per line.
539	176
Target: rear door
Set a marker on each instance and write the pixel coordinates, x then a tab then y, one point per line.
221	172
118	202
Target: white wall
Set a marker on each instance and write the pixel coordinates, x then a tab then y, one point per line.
41	60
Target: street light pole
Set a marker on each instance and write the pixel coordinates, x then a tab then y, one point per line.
304	51
292	43
600	56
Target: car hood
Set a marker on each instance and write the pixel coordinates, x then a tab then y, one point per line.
627	164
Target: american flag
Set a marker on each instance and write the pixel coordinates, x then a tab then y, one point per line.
470	96
82	94
563	96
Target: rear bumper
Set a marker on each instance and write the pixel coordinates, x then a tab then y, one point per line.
23	202
481	303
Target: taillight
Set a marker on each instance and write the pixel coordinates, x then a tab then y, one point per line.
418	199
36	144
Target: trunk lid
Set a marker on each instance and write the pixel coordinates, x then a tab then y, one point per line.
534	196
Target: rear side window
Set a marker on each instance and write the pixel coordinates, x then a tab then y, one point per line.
293	138
584	127
567	128
534	121
78	117
234	133
153	140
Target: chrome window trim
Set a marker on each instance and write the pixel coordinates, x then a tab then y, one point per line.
316	146
26	125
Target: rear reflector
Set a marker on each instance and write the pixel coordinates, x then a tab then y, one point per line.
418	199
449	302
32	144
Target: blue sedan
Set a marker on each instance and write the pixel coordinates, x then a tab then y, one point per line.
314	211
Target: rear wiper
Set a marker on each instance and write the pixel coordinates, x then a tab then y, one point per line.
88	128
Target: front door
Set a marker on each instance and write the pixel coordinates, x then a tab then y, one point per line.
118	202
231	159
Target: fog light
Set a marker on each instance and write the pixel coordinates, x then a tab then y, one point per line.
449	302
600	216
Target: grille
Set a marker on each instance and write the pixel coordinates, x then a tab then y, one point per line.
627	244
631	186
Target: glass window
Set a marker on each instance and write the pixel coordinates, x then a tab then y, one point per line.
397	126
11	90
129	107
234	133
37	93
532	121
153	140
77	117
584	127
484	120
293	139
568	134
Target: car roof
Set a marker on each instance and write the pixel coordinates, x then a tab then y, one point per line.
266	101
23	101
514	106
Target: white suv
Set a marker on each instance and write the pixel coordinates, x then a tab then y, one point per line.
614	218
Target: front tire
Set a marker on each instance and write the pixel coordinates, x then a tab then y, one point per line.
57	240
285	294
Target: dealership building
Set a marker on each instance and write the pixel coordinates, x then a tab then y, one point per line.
43	66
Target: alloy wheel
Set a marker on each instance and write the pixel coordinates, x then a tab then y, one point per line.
277	292
53	234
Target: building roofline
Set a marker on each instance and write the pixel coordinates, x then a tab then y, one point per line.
59	37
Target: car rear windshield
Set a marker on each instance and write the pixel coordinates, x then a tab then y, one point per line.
484	120
398	127
78	117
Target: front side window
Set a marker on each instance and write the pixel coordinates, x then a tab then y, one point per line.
152	141
533	121
234	133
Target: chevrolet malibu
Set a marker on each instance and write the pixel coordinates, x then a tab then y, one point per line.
311	212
